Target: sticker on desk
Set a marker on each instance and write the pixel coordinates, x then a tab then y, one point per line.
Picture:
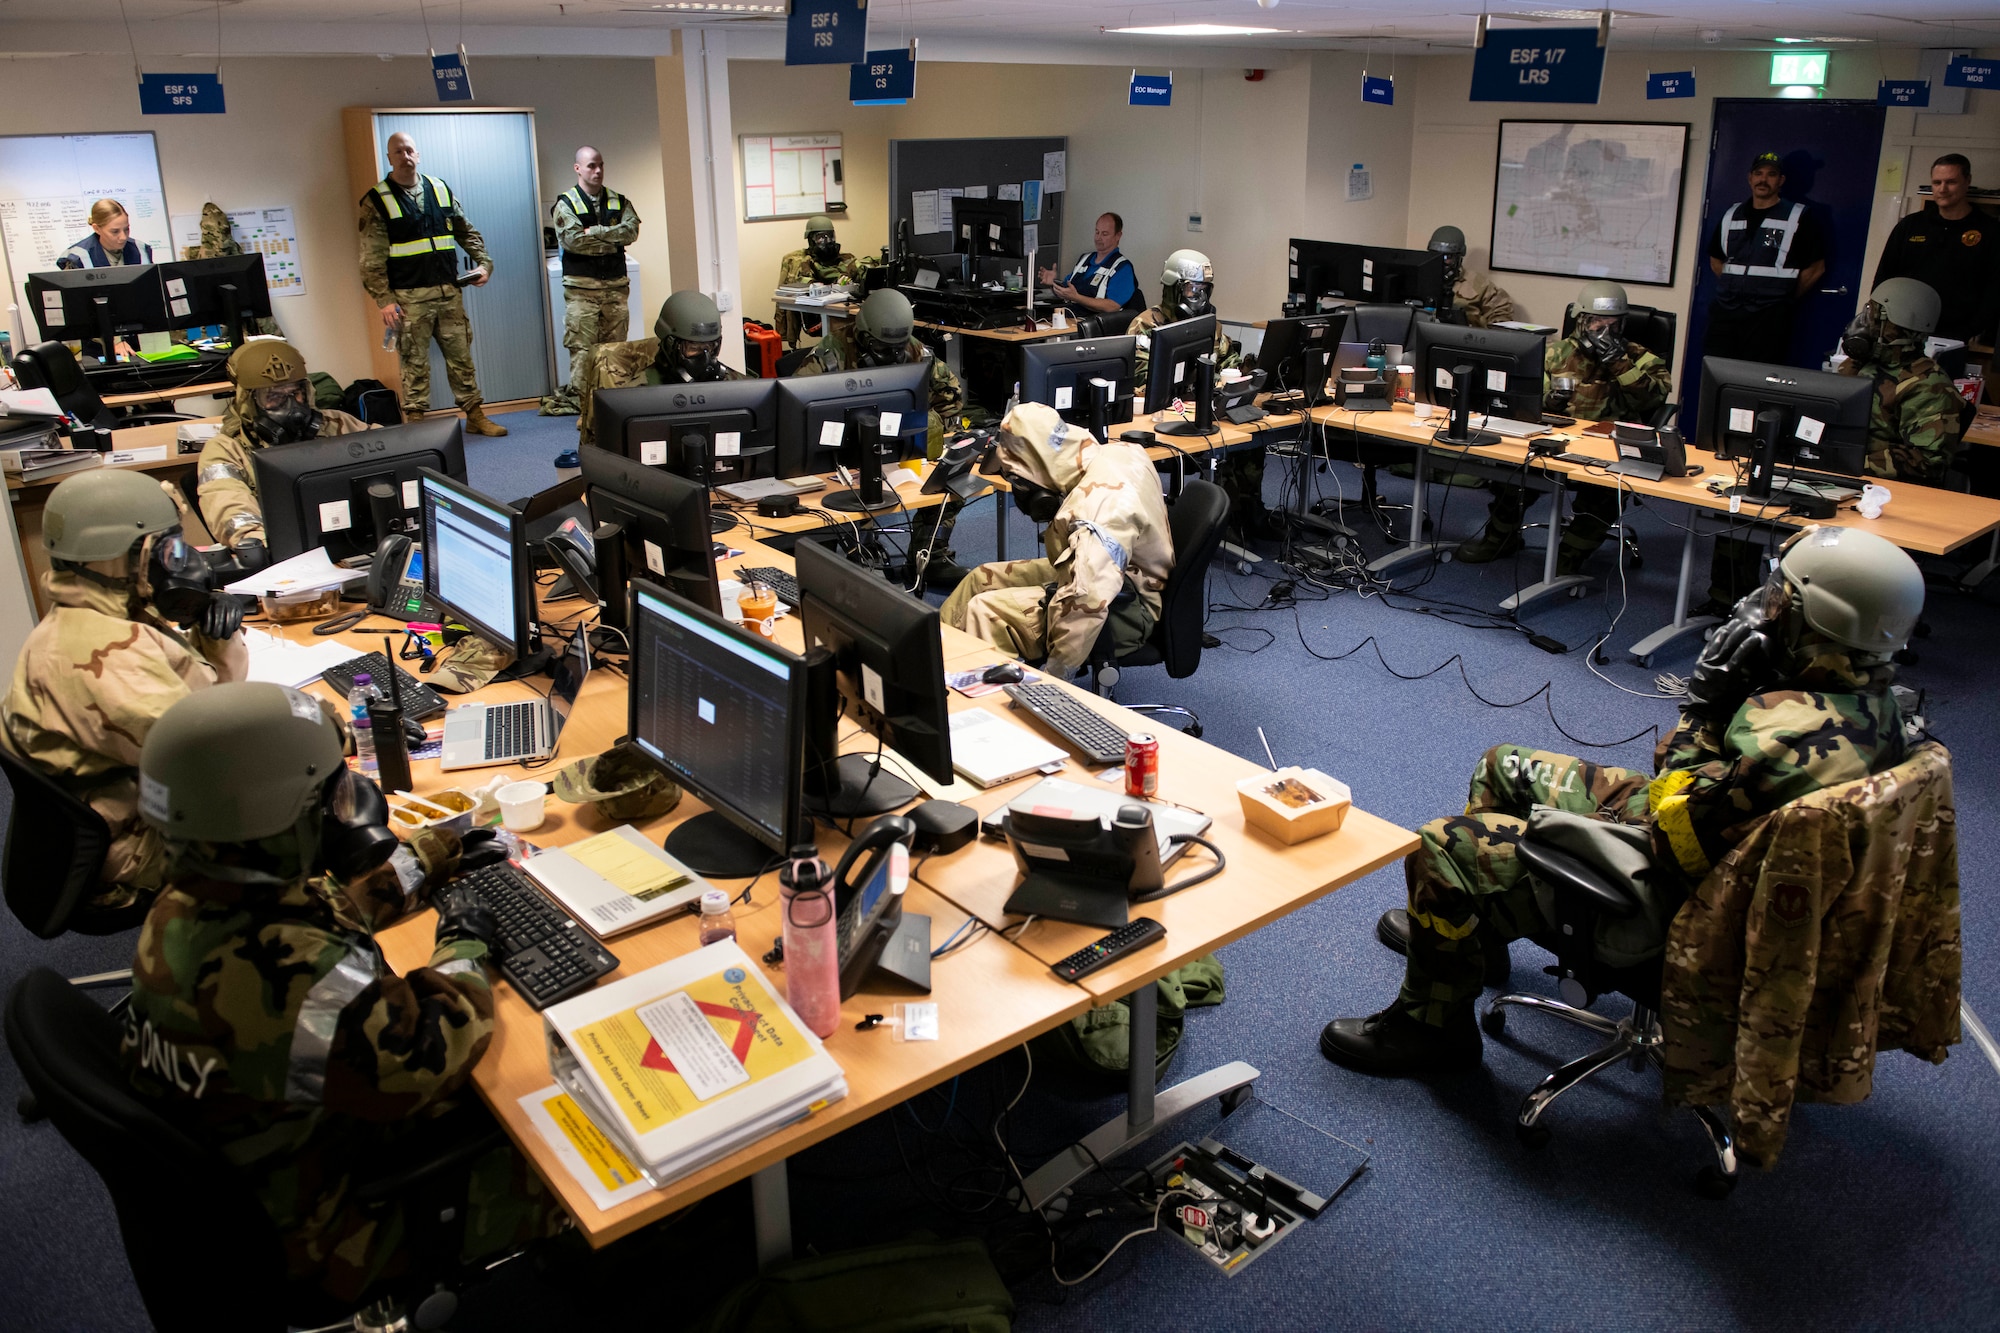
829	434
1742	421
1810	430
605	1172
177	287
656	559
871	688
335	516
891	423
653	453
917	1020
1496	381
1443	378
728	443
180	307
1065	395
412	490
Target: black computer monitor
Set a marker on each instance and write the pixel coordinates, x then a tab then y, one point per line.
884	664
987	227
98	303
1402	277
836	418
723	711
714	433
1771	415
1176	370
650	524
1322	273
1064	375
477	566
1296	352
348	492
1493	371
224	291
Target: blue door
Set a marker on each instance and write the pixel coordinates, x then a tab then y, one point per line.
1831	150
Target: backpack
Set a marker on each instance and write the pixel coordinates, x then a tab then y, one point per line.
1093	1047
919	1285
325	389
373	402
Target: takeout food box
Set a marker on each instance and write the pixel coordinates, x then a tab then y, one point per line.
1294	804
450	809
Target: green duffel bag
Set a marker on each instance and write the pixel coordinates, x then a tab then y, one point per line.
1094	1047
919	1285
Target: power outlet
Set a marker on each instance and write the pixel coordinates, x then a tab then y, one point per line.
723	300
1194	222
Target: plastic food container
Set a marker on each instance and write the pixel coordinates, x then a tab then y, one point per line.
450	809
315	605
1294	804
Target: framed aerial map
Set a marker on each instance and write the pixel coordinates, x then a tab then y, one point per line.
1589	198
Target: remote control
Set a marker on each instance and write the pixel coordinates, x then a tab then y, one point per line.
1126	939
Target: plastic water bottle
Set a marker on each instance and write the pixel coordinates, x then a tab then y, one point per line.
717	922
812	945
358	699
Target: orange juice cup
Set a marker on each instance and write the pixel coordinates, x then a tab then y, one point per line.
759	604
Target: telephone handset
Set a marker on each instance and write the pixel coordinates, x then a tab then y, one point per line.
868	907
396	582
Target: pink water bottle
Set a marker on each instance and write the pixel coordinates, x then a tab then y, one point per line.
812	945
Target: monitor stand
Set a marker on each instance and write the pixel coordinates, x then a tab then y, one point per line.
711	846
1458	431
869	495
539	659
841	786
1204	403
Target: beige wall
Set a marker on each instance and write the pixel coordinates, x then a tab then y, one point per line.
280	143
1344	130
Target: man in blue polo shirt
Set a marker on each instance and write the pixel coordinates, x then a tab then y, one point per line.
1103	280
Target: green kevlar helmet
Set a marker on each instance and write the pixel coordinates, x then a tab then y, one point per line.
236	762
262	362
623	783
886	318
689	316
1854	587
99	515
1908	304
1447	240
1601	298
817	223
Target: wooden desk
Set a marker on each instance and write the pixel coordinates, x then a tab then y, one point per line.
206	389
1985	427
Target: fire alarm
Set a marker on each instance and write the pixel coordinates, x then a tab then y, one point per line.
1253	76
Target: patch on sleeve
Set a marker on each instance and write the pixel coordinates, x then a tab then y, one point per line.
155	801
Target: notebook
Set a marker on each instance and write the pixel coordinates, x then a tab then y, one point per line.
616	881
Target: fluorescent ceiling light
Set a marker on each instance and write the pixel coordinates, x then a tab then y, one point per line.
1801	91
1202	30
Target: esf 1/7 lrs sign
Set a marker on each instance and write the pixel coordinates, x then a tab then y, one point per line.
1550	65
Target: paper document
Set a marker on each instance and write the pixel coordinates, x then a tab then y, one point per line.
924	212
1011	191
302	573
1055	172
29	403
629	867
975	192
277	661
616	881
607	1175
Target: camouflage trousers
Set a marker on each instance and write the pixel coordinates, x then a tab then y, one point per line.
591	316
1592	511
1005	603
1466	886
931	529
435	312
1241	476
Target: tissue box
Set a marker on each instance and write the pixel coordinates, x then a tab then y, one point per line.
1294	804
190	436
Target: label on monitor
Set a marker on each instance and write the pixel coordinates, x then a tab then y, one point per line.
1367	284
52	309
1064	396
180	307
336	516
1180	371
177	287
1292	253
1443	377
1367	266
411	494
992	231
830	433
656	559
891	423
653	453
1810	430
1742	421
871	687
728	443
1293	268
1496	381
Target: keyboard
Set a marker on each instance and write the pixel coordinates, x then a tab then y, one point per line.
543	951
1080	726
419	700
1551	419
787	586
511	730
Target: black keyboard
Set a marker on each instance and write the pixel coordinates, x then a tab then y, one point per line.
419	700
544	951
1080	726
510	729
787	587
1551	419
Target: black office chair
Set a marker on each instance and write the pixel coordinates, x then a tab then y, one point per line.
1196	521
790	361
53	366
181	1204
1384	323
1654	329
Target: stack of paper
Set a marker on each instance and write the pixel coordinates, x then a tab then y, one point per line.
306	572
42	460
279	661
686	1062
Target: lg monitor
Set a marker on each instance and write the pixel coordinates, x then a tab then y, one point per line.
723	711
713	433
1296	353
886	658
348	492
987	227
1088	381
820	423
98	303
1176	371
224	291
1497	372
1807	421
650	524
477	567
1402	277
1321	274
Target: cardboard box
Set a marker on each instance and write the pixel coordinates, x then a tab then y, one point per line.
1294	804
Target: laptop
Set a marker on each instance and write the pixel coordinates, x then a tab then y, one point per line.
483	735
768	488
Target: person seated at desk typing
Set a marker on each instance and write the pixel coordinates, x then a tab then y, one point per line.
1791	695
1102	280
823	262
265	1020
1109	531
686	348
1604	378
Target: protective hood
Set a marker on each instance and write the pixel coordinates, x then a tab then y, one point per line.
1036	444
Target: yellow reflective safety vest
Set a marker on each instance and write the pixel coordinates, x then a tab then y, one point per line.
608	211
423	251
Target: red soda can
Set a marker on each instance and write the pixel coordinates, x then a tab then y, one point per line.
1142	766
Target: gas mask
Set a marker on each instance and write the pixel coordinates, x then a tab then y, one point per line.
178	582
1454	269
697	361
285	414
824	246
1863	334
874	352
1603	339
355	837
1185	300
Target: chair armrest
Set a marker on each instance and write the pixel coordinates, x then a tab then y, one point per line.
402	1176
1569	874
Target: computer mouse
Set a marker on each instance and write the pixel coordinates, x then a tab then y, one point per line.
1002	673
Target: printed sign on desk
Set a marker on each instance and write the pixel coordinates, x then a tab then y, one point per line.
1545	65
885	78
1903	92
1678	84
452	76
827	32
1972	72
1151	90
1380	91
180	95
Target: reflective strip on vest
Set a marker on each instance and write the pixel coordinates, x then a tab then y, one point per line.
1773	242
405	249
319	1021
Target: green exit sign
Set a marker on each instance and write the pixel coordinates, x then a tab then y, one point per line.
1790	68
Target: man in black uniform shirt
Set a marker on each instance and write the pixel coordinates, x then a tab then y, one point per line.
1952	248
1766	252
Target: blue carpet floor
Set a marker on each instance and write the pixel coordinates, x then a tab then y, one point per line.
1880	1215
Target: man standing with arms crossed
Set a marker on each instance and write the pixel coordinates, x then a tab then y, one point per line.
594	225
1766	252
411	232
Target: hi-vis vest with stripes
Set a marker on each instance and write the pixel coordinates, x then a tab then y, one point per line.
608	212
1760	266
423	252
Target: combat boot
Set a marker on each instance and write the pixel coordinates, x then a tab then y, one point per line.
1392	928
478	423
1393	1043
411	414
1502	534
1581	537
944	573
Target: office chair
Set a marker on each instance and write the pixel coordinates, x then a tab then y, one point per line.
53	366
1196	522
1590	889
1654	329
1384	323
181	1204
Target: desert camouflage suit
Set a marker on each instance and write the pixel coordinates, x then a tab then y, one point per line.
1484	302
1913	419
595	310
620	365
218	241
428	312
1241	471
1110	533
227	481
265	1021
92	679
800	269
1831	723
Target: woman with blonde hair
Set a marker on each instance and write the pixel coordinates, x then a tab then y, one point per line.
110	241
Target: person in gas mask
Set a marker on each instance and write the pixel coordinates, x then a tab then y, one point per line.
134	626
1476	300
1791	695
882	333
265	1020
822	261
273	405
686	348
1107	532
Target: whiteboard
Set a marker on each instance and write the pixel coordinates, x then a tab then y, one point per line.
791	175
48	183
1589	199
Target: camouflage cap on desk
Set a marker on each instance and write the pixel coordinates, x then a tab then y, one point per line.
622	782
473	662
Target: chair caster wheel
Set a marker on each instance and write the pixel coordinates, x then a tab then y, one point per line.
1532	1136
1194	731
1493	1022
1710	1183
1645	661
1235	1098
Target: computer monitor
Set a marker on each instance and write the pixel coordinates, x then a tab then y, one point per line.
650	524
477	566
713	433
883	661
1296	352
1321	274
820	423
984	227
1176	370
1807	421
1064	375
1402	277
223	291
348	492
723	711
98	303
1493	371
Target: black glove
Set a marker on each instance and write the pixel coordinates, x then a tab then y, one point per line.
463	915
480	848
222	617
1741	659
